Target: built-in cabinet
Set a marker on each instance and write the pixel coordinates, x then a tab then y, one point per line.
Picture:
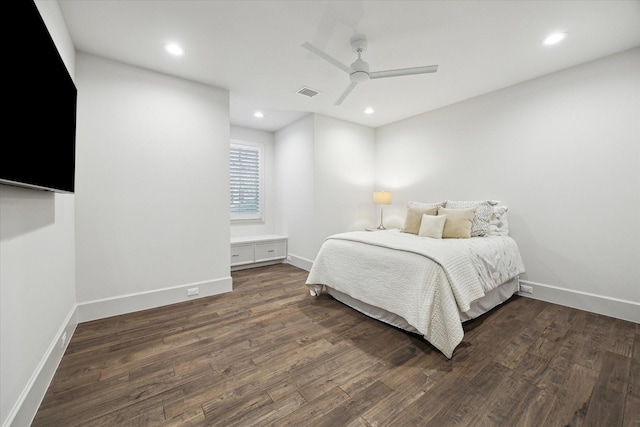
256	251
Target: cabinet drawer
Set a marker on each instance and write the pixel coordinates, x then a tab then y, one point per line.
271	250
241	254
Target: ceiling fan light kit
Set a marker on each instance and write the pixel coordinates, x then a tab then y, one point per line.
359	70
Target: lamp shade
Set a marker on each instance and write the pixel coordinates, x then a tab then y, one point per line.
382	197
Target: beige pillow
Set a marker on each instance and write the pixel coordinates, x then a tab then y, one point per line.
484	209
414	217
432	226
458	223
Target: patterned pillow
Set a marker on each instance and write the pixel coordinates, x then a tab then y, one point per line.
413	204
484	210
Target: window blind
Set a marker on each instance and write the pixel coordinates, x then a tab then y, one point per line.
244	182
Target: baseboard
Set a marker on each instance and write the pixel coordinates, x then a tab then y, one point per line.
299	262
99	309
608	306
25	409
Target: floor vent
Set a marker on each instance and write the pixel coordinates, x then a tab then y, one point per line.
306	91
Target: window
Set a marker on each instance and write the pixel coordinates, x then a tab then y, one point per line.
246	188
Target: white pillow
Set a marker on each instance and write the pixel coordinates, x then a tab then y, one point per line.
432	226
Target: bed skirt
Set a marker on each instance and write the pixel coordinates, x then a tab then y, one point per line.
480	306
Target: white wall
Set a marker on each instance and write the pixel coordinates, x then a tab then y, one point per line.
324	182
563	151
267	225
344	155
37	276
152	185
294	183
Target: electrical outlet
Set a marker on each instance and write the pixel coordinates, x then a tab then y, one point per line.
192	291
526	289
63	339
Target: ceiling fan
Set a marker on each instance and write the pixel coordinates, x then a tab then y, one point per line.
359	70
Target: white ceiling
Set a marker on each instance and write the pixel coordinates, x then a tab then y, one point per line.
254	48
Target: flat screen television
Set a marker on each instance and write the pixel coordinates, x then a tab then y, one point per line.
40	152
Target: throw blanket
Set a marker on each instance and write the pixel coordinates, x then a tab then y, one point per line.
426	281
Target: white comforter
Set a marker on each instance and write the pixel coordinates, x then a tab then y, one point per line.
428	282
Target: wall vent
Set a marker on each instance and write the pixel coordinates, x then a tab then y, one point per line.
306	91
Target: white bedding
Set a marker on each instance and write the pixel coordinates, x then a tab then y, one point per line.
428	282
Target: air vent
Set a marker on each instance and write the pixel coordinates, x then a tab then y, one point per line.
306	91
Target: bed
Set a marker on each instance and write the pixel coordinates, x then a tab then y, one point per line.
423	284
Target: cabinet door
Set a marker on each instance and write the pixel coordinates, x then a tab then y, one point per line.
241	254
267	251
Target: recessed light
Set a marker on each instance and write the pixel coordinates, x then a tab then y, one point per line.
554	39
174	49
258	114
369	111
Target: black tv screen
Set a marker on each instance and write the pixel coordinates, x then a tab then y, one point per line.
40	152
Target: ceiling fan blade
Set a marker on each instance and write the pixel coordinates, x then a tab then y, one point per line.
327	57
346	93
403	72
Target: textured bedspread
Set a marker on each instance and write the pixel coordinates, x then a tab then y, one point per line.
426	281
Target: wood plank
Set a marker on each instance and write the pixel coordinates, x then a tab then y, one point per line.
606	407
391	406
632	412
573	400
349	410
268	414
598	332
634	370
315	410
622	338
470	399
531	409
608	398
553	377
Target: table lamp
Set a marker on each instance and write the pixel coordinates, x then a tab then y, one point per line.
381	198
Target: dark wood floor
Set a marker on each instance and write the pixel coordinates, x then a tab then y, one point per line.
270	354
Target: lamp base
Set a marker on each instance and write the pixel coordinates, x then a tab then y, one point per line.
381	227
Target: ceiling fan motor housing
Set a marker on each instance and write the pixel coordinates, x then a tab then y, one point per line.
360	71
